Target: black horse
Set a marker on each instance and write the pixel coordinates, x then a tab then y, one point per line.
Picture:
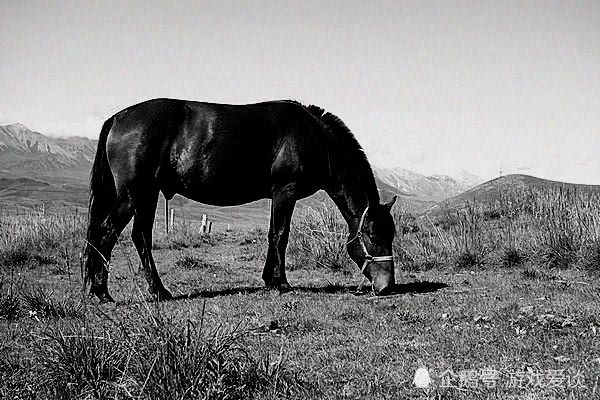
229	155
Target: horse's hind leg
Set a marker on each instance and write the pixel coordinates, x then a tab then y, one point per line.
282	208
101	243
145	208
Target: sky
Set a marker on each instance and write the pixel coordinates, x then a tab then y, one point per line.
438	87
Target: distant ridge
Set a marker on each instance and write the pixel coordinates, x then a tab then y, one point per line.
491	190
36	168
24	152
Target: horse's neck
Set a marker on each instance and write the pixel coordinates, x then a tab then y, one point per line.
351	201
351	185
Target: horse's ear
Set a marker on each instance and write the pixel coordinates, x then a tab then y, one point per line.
389	204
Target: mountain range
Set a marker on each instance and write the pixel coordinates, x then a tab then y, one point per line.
35	167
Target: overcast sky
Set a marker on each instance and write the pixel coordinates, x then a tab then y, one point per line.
436	87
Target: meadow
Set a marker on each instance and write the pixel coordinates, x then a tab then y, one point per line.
497	299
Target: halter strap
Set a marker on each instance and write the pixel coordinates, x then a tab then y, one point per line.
368	258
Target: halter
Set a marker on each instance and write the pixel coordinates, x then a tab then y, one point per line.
368	258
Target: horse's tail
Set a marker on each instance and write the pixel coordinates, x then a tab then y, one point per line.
102	197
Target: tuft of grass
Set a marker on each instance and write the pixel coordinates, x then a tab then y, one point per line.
512	257
188	261
157	359
318	240
9	305
590	256
81	362
44	305
468	260
14	257
537	273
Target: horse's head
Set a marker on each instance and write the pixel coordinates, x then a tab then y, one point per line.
371	247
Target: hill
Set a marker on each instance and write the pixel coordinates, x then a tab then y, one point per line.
494	190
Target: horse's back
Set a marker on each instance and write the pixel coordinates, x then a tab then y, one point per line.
214	153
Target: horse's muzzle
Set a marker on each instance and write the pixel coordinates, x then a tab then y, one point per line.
382	277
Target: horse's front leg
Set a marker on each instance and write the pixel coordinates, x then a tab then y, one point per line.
282	207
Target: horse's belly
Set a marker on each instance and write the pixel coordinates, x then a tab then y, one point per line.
226	189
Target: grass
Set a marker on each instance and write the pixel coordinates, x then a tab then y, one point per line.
154	359
36	239
9	304
557	228
318	240
520	299
37	302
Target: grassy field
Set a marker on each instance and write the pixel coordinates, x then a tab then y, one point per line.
496	300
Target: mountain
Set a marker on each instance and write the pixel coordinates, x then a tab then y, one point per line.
31	154
432	188
35	168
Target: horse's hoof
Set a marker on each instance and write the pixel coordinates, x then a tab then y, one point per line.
284	287
270	284
104	297
163	295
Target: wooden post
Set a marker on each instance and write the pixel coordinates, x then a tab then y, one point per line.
203	225
172	218
166	216
209	226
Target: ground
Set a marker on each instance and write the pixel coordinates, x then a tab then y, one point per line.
495	332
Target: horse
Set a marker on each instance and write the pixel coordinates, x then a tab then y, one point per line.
223	154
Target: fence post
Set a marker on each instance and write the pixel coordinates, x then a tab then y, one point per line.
166	216
172	218
203	225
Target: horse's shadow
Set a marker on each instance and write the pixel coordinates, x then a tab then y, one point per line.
404	288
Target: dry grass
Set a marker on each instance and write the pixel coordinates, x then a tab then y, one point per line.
43	238
152	357
554	228
519	298
317	239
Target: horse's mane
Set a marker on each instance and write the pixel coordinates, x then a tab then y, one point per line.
352	154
